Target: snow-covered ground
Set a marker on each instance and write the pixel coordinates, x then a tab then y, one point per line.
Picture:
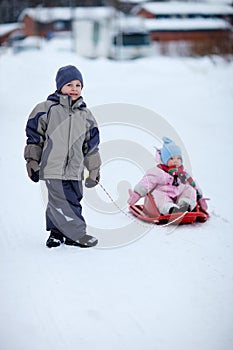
170	289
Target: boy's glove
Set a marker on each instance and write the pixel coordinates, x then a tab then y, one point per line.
33	170
133	197
93	179
32	154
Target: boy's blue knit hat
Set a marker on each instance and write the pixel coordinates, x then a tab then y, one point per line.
169	150
67	74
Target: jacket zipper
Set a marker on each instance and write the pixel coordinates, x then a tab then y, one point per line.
68	158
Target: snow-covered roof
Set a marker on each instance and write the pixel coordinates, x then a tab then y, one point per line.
184	8
133	1
226	2
129	24
218	2
51	14
9	27
186	24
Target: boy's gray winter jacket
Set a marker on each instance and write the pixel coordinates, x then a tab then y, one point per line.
63	138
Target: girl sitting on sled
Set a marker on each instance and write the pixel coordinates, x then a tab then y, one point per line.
172	188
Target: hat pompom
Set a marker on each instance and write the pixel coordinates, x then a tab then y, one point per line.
169	150
67	74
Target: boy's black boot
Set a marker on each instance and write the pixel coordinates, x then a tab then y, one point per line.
54	240
85	241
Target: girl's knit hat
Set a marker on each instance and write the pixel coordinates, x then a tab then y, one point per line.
169	150
67	74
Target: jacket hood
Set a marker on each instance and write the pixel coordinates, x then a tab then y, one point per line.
56	97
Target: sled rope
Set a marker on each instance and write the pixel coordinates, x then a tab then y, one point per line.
121	210
176	219
134	219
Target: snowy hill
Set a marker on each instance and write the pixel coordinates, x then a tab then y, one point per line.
171	288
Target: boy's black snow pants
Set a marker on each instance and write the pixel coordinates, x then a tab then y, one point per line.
64	211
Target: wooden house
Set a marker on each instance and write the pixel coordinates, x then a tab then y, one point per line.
42	21
202	24
183	9
8	30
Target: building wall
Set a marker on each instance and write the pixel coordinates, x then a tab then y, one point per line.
145	14
4	37
32	27
189	35
29	27
199	43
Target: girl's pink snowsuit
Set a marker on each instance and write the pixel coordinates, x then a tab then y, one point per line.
159	183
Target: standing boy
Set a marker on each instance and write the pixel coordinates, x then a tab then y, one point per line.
62	139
